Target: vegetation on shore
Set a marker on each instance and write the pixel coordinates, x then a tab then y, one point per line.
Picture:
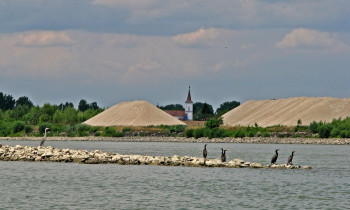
21	118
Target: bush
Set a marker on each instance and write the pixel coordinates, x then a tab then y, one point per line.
5	129
71	130
83	133
42	127
325	131
240	134
345	134
18	126
111	132
83	127
198	133
266	134
314	127
213	123
207	132
126	129
189	133
28	128
58	128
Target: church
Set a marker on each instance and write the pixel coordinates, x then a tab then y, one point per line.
188	113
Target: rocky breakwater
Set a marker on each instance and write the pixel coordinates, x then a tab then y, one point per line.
27	153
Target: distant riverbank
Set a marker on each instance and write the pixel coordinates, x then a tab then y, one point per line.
253	140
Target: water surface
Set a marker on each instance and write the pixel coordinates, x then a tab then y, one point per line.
43	185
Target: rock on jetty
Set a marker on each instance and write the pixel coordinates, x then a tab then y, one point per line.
27	153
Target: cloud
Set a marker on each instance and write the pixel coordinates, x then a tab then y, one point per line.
309	39
43	39
200	37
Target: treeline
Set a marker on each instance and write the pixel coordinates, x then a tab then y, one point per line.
20	117
338	128
204	111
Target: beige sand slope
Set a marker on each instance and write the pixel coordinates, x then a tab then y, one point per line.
135	113
288	111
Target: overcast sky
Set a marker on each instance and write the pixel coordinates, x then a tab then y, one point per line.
111	51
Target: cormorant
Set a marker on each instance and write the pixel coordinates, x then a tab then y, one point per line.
290	159
43	141
223	155
274	158
205	152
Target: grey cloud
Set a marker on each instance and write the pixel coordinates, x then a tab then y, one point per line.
157	17
310	39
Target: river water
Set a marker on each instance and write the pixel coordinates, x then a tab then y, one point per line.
44	185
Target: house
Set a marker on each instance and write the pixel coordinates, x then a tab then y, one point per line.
180	115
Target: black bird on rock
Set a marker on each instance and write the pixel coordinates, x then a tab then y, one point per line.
205	152
274	158
290	159
223	155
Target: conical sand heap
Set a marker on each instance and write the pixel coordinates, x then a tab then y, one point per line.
136	113
288	111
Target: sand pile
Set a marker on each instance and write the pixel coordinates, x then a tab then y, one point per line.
288	111
136	113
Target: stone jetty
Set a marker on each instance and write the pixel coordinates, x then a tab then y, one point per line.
27	153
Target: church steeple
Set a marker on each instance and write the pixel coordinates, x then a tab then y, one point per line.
189	105
189	96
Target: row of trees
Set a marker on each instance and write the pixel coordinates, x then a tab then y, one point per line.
204	111
22	116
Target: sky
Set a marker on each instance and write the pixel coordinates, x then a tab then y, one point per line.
110	51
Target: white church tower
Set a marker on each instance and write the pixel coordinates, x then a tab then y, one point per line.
189	105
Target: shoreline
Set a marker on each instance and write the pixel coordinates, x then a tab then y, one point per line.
249	140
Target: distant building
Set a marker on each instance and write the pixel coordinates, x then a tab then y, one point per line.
189	106
180	115
188	113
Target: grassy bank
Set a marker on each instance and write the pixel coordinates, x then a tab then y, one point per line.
338	128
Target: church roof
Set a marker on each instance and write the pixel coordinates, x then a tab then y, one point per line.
189	96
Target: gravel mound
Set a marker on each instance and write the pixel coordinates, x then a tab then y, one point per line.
288	111
135	113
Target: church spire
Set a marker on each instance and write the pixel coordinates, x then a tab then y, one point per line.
189	95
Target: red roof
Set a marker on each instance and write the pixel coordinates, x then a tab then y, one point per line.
176	113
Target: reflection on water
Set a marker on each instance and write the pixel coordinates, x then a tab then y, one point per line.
75	186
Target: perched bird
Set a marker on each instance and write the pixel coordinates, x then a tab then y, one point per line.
43	141
223	155
274	158
205	152
290	159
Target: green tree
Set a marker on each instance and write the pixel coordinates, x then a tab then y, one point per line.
202	111
213	123
24	101
172	107
19	112
94	106
66	105
226	107
58	117
83	105
33	116
6	102
70	115
47	112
